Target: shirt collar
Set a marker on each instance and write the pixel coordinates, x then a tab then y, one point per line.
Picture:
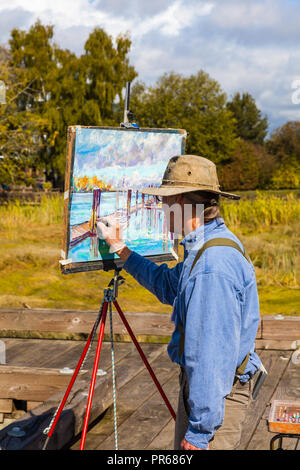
200	234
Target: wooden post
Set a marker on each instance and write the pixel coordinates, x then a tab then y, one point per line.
129	192
95	210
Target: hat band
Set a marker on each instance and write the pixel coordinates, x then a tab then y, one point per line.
189	183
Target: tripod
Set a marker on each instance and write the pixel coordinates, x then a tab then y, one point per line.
110	296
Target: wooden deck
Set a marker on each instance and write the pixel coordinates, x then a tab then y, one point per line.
32	382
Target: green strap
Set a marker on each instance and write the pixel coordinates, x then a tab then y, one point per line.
241	369
219	242
215	242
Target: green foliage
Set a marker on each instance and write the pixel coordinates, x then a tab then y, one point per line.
284	144
106	71
19	126
251	167
63	89
286	177
262	212
194	103
251	126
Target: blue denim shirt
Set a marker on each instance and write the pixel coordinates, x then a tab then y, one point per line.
219	309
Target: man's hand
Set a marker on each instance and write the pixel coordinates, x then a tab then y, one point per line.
110	230
185	445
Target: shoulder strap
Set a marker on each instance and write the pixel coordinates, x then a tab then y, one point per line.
219	242
241	369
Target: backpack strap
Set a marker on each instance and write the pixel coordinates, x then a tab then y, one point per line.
215	242
241	368
219	242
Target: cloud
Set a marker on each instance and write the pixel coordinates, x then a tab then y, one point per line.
257	22
13	18
175	18
168	18
133	8
245	46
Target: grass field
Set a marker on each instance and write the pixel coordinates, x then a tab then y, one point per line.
31	236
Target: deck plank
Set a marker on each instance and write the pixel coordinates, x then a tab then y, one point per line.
287	327
62	324
130	397
31	383
38	353
58	353
143	426
262	437
165	438
287	388
275	363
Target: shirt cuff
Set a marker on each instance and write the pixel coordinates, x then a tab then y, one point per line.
198	439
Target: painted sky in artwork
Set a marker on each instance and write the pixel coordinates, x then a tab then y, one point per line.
124	158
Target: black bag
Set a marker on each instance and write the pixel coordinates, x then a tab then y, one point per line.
34	437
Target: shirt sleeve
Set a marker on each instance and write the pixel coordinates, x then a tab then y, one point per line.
212	337
158	279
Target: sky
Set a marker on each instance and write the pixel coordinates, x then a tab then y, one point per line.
247	46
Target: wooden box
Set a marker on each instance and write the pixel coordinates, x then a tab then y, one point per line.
284	417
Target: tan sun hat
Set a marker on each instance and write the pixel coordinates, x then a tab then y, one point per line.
187	173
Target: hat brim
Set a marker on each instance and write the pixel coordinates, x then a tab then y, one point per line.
168	190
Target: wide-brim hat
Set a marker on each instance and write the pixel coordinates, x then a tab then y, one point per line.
187	173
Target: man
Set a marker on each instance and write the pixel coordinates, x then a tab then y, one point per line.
215	306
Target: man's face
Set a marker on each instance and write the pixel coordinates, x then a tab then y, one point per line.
172	206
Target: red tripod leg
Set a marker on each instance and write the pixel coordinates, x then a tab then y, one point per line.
73	377
93	380
145	360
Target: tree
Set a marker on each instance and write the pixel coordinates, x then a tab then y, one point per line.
251	167
284	144
251	126
19	128
65	90
195	103
33	53
106	68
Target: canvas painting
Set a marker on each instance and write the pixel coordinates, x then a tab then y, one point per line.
107	169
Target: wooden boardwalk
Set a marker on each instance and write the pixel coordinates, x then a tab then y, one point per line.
32	378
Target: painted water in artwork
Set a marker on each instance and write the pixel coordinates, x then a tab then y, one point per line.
110	169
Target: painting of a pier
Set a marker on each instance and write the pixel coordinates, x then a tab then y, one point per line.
110	167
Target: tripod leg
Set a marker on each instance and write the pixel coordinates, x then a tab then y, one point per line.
93	380
58	413
169	406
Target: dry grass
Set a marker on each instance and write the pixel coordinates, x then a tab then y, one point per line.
30	247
